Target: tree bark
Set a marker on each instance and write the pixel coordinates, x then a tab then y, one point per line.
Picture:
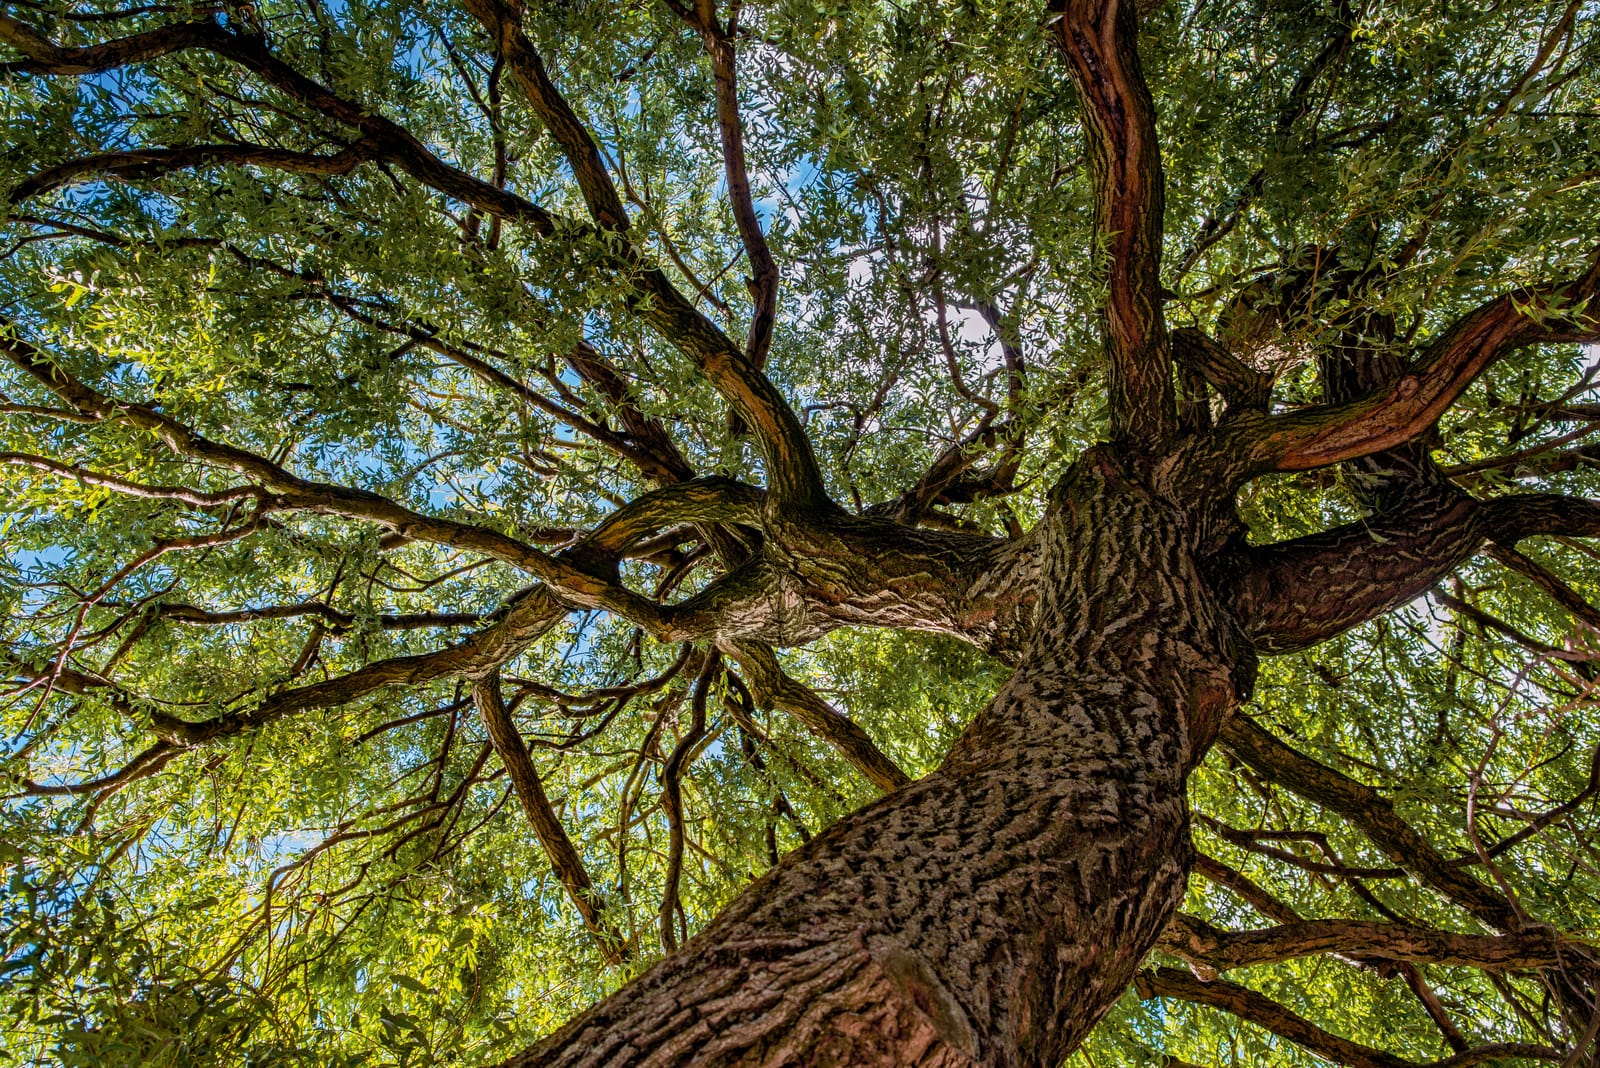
991	912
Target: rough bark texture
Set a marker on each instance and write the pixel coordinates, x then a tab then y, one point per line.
991	912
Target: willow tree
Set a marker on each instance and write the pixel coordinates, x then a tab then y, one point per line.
807	492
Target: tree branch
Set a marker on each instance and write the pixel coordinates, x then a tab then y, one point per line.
1242	387
1542	577
46	57
1265	1012
334	619
155	162
1100	40
526	617
127	487
1294	594
792	468
763	280
564	858
1194	939
291	491
794	477
1403	409
669	464
772	685
701	500
1245	888
1370	812
671	912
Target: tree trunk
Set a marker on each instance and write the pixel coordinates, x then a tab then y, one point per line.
991	912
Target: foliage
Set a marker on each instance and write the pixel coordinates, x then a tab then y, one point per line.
355	881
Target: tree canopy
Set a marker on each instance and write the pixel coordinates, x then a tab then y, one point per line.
414	420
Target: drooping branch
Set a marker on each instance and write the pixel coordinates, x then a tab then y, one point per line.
143	765
524	618
1484	621
1371	813
655	455
645	442
773	685
1100	38
564	858
1380	961
1259	843
1264	1012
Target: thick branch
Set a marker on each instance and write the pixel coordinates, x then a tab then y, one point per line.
1100	40
668	462
1195	940
1246	888
394	143
1298	593
813	577
1294	594
143	765
503	20
702	500
1241	386
1403	409
45	57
